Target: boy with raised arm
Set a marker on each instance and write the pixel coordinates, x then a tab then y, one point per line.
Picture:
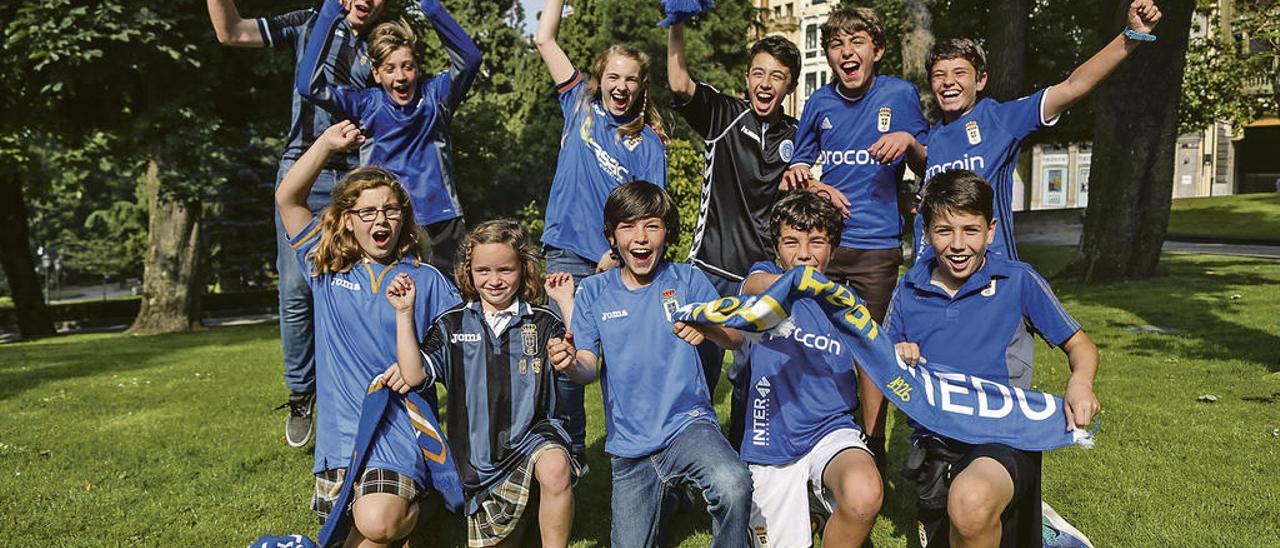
406	117
980	310
662	434
749	146
986	136
860	127
351	67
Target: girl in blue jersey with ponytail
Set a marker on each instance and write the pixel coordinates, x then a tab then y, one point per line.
612	135
350	255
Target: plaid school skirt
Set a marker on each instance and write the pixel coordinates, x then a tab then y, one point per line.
374	480
501	510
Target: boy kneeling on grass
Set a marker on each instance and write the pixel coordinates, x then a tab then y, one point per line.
979	310
802	391
662	431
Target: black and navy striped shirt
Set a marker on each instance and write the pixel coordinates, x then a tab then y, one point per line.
502	399
348	61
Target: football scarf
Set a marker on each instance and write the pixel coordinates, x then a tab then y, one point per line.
435	452
959	406
682	11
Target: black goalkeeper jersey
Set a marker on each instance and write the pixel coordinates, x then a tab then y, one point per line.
745	159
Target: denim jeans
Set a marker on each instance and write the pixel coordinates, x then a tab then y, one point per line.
645	490
297	331
568	392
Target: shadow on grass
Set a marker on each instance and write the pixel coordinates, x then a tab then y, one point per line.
1206	298
24	366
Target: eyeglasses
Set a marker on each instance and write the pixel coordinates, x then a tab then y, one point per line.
370	214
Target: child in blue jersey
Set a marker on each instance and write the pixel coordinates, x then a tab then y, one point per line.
350	66
861	127
612	134
801	391
986	136
976	312
361	242
497	354
661	431
405	118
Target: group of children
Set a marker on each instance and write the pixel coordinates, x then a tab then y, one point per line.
514	370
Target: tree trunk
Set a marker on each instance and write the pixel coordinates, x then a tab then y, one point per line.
170	285
1135	131
34	319
917	39
1007	49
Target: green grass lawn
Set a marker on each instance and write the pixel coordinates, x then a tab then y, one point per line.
1245	216
111	441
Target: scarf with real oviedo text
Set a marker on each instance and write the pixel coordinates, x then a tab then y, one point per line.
435	452
959	406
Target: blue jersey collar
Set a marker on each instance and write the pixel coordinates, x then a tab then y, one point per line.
920	278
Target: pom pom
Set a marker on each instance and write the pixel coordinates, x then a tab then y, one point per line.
681	11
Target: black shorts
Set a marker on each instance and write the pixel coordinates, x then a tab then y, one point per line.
934	462
445	237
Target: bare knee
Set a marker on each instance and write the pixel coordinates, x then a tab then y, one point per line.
857	487
974	507
552	472
383	517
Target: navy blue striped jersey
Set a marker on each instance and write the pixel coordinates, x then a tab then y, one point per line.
746	157
355	342
802	385
502	399
411	141
837	132
346	63
986	140
594	160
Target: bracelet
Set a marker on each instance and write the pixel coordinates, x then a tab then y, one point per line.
1139	36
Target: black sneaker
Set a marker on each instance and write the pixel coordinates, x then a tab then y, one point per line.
298	425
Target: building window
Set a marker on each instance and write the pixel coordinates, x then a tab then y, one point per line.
1082	198
811	41
810	84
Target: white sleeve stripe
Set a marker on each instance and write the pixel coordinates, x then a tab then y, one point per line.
1057	305
265	29
432	369
1043	122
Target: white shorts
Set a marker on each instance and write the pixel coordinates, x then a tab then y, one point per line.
780	500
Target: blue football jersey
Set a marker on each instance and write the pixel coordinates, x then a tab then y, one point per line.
355	342
836	131
593	161
412	141
986	141
652	381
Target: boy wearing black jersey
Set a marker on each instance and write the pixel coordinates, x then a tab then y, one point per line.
749	144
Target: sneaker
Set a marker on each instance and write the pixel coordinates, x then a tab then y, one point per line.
298	425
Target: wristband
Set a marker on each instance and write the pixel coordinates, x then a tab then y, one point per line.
1139	36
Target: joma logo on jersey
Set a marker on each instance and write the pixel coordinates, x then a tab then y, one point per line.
971	163
464	337
354	286
760	413
613	315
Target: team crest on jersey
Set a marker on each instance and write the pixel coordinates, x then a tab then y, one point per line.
669	303
761	536
537	366
972	132
529	336
990	291
633	141
786	149
883	120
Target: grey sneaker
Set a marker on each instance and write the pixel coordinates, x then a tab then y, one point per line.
298	425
